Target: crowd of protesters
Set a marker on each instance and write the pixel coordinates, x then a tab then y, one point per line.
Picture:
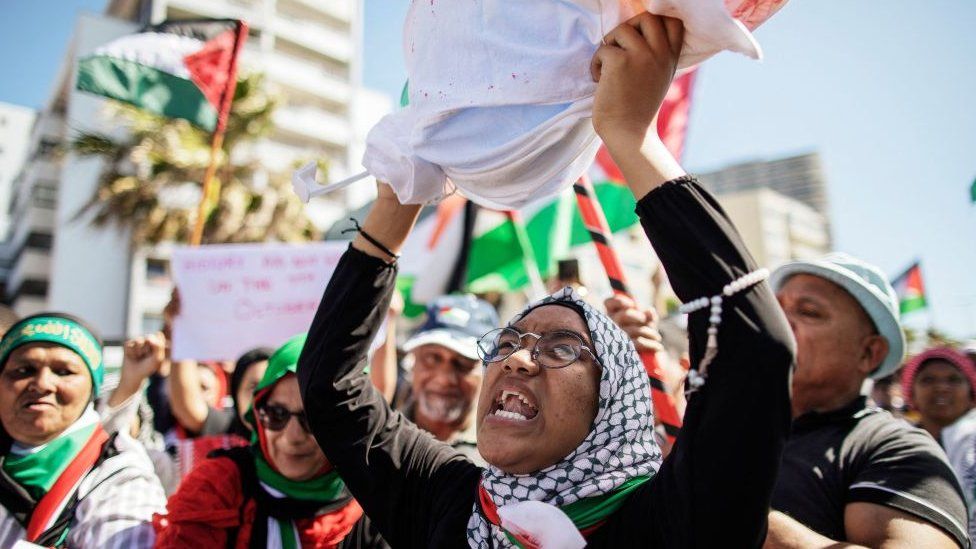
534	432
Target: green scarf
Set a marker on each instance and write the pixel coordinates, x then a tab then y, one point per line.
589	512
325	488
39	470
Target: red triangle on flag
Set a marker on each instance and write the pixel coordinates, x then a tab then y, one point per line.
913	283
210	66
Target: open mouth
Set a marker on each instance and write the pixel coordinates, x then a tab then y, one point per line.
511	404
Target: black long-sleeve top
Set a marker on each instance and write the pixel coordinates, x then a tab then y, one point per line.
713	490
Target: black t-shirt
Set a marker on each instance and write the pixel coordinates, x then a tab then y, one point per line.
863	454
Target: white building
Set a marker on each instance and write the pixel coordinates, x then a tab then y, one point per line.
309	49
780	206
15	129
775	227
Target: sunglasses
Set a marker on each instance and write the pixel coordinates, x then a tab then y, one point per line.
276	418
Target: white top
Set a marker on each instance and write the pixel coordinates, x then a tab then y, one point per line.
501	93
959	441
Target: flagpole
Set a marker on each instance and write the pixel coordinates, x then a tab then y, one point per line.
208	183
596	224
217	143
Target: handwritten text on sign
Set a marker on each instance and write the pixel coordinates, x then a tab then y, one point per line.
239	296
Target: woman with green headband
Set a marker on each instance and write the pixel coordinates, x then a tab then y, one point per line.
279	492
64	482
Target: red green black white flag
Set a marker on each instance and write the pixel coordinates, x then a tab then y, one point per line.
178	69
910	289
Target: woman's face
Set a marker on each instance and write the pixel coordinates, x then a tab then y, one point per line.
559	404
941	393
44	388
293	451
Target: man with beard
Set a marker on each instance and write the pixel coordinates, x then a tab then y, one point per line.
446	372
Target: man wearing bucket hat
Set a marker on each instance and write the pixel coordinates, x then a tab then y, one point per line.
446	373
853	473
63	480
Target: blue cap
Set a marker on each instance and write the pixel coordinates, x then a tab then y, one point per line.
455	322
870	288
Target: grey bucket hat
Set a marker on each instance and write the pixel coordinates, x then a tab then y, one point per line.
870	288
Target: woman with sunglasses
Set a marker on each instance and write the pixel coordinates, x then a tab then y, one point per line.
279	492
564	416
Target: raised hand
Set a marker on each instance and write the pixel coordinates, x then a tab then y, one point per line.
640	324
143	356
634	68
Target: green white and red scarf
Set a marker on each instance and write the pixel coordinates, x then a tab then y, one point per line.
52	473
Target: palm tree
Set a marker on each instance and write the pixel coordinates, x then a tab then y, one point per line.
153	176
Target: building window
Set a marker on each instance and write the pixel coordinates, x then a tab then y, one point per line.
46	148
157	272
152	323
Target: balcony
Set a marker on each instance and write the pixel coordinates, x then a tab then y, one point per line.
49	125
307	76
31	264
313	123
43	172
248	10
340	10
282	158
315	37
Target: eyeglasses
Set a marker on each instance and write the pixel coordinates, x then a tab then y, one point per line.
552	349
276	417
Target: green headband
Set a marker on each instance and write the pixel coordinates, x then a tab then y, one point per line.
284	361
61	331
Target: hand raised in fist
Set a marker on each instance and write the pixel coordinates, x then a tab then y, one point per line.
143	356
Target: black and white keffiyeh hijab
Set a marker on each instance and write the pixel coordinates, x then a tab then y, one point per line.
619	448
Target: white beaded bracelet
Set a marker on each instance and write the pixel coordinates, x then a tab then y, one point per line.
696	378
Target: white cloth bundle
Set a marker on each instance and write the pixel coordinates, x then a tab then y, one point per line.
501	94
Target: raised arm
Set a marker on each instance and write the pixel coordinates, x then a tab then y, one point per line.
142	357
398	473
724	464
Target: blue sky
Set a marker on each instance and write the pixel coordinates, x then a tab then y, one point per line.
882	89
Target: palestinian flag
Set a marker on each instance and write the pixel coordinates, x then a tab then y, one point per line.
910	290
178	69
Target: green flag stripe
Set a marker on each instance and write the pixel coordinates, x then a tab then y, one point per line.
912	303
147	88
495	260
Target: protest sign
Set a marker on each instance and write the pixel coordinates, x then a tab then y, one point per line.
239	296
